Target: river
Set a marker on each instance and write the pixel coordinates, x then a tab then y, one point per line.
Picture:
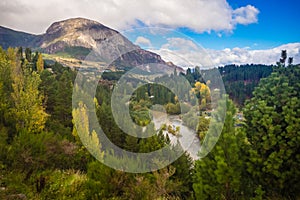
187	137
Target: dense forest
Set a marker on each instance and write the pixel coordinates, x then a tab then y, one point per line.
239	80
43	157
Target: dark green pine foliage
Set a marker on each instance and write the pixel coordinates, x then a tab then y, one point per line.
273	130
218	175
57	86
240	81
28	54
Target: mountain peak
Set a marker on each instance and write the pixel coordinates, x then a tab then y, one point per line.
72	24
75	32
78	20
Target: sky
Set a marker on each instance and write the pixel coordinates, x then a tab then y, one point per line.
229	31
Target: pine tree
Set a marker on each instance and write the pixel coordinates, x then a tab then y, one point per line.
28	54
218	175
273	130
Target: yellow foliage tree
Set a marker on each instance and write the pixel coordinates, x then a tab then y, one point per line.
40	63
202	92
81	128
28	111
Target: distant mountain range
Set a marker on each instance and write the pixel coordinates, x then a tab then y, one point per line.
77	37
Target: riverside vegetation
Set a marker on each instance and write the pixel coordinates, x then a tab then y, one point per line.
42	157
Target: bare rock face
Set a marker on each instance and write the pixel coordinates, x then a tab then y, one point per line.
74	32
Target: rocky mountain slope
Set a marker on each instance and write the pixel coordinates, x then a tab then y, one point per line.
77	37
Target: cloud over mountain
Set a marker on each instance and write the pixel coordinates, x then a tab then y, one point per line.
142	41
197	15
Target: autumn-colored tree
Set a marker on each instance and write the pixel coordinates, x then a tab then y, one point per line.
202	92
81	130
5	85
28	111
40	63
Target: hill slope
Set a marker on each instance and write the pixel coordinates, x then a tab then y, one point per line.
11	38
77	37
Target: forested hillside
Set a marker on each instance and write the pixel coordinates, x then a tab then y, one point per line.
42	156
239	80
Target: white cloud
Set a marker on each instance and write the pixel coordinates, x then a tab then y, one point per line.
198	15
180	44
246	55
186	53
245	15
142	41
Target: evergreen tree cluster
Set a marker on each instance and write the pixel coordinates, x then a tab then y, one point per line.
239	81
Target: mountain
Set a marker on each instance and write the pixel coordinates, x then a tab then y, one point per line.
11	38
77	37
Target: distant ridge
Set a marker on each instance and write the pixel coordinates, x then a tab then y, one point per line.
12	38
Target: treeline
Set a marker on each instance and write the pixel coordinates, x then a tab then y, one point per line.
239	80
